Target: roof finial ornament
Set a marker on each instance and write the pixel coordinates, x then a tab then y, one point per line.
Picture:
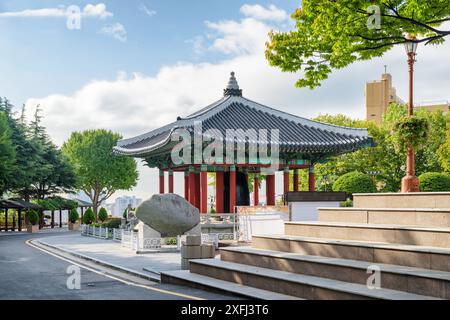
232	88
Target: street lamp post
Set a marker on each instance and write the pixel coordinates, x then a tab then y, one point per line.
410	183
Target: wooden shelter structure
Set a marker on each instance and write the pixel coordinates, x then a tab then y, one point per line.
300	143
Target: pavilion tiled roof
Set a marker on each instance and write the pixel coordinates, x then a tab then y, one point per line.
233	111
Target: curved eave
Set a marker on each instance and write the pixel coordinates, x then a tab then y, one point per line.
146	149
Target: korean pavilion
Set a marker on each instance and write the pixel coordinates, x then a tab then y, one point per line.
301	143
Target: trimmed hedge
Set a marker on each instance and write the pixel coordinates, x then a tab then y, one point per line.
89	216
434	182
113	223
33	217
102	214
354	182
73	216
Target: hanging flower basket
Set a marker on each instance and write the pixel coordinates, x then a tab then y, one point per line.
410	131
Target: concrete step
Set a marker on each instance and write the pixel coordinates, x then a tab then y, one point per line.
413	280
302	286
439	218
375	252
186	278
430	200
419	236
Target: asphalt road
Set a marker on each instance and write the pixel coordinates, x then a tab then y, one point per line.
29	273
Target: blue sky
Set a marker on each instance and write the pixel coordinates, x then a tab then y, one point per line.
136	65
44	57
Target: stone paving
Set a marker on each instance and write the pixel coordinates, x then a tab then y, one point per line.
113	254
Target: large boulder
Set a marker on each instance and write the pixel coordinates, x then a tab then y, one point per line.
169	214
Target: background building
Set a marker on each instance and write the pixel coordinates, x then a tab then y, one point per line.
121	203
380	94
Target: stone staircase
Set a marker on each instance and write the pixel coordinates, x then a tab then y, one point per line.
406	236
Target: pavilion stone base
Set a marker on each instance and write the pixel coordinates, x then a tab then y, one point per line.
151	241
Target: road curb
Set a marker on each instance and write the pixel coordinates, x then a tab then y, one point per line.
100	262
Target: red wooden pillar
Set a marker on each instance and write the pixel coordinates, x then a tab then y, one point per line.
255	190
232	188
204	190
192	186
286	175
270	190
161	181
197	190
170	181
186	185
312	179
220	183
296	180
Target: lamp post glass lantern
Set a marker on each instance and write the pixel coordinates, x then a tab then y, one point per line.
410	183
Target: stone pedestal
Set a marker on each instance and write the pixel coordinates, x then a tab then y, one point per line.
146	233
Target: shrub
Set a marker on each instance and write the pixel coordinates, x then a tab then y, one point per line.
434	182
102	214
89	216
354	182
33	217
347	203
113	223
125	213
73	216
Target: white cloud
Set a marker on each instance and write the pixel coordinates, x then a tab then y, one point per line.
90	10
98	10
238	37
117	31
271	13
146	10
137	103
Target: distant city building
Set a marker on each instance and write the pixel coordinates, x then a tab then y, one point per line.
122	203
380	94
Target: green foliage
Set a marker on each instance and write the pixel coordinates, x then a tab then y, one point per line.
102	214
73	216
434	182
7	153
347	203
331	35
57	203
444	151
125	213
170	241
112	223
88	217
100	173
384	162
354	182
410	131
33	217
40	169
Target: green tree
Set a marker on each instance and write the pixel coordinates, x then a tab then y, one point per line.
55	174
27	157
73	216
88	217
102	215
383	162
444	151
333	34
100	173
7	154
